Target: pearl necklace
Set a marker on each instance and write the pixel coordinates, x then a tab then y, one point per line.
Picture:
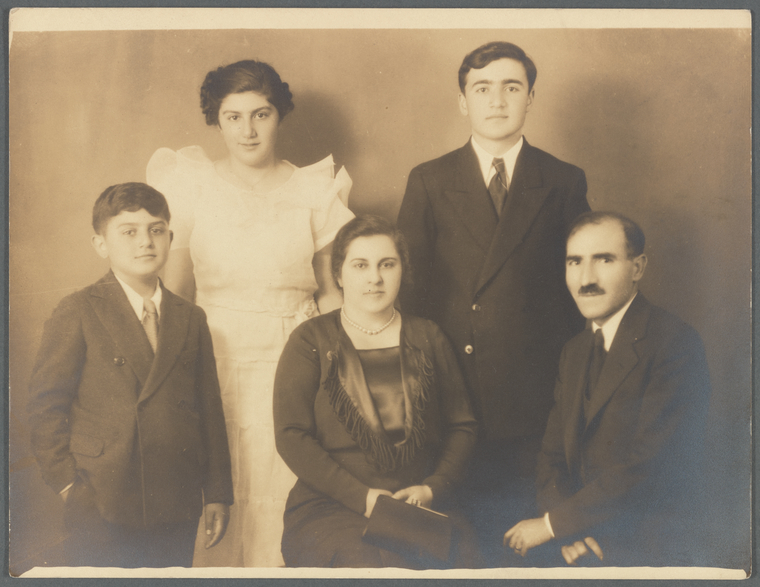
364	330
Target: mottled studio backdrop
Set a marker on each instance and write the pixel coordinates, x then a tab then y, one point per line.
658	118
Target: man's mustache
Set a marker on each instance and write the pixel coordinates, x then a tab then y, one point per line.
590	289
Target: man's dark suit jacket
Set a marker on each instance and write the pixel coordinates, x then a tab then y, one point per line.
627	470
147	434
496	286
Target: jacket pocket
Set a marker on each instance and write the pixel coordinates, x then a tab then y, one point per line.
88	446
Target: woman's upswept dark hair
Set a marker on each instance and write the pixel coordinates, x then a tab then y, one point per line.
369	225
244	76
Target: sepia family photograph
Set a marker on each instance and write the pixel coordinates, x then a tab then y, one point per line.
359	293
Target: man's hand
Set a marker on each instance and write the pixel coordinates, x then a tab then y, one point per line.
217	516
416	495
526	535
572	552
372	496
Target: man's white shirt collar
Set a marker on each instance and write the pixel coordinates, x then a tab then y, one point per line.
611	326
136	300
486	160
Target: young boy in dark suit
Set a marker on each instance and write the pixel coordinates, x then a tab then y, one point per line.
126	416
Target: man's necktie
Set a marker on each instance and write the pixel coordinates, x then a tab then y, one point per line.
598	355
150	322
498	185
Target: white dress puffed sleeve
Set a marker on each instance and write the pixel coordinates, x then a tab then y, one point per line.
177	175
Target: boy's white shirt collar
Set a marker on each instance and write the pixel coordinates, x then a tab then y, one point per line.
486	160
611	326
136	300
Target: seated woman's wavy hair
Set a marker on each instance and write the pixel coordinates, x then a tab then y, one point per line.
369	225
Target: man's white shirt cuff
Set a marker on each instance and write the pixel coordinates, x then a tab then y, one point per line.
548	524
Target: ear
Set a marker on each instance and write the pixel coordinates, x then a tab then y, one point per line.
462	104
99	244
171	236
531	97
639	265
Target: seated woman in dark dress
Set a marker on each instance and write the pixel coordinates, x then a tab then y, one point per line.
368	402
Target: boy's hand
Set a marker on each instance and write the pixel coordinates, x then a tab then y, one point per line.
217	516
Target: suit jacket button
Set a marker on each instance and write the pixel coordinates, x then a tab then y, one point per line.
119	361
476	308
468	349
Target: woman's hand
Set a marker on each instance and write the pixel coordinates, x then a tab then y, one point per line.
372	496
416	495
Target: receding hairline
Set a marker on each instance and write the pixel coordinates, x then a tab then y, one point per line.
600	220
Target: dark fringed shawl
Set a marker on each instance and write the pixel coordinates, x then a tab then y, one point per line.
417	377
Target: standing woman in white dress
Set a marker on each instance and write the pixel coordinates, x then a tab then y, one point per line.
252	242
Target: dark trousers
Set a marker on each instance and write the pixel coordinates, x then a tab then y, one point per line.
498	492
95	542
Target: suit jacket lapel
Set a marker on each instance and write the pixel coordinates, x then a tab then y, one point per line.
469	197
114	311
622	356
526	196
574	419
172	332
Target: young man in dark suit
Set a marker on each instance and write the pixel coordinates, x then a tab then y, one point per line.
486	226
621	474
126	415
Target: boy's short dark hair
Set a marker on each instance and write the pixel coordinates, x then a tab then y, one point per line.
494	51
131	197
634	236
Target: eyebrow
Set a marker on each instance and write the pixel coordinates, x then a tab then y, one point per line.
594	256
366	261
124	224
252	112
503	82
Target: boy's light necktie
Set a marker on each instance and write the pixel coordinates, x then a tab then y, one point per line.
150	322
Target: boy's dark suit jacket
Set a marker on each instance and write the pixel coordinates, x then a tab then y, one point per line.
147	434
496	287
627	469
